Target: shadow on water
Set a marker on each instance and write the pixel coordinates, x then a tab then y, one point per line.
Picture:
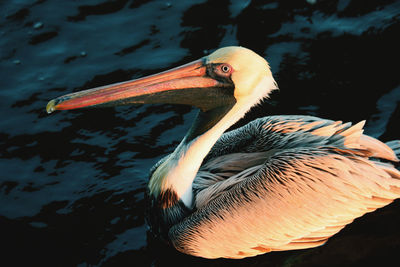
72	184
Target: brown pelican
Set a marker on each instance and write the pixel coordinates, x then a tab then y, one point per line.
277	183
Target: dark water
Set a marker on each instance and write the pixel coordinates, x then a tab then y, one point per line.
72	183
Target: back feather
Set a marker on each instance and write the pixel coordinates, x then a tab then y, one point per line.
285	182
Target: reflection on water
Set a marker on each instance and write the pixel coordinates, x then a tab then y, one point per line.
72	184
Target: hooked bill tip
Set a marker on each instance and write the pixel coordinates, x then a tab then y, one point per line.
51	106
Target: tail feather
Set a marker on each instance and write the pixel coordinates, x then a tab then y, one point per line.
393	168
395	146
378	149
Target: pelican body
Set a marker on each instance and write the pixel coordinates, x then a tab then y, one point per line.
277	183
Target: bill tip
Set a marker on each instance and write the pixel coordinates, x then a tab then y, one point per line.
51	106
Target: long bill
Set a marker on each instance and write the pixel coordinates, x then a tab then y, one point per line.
182	85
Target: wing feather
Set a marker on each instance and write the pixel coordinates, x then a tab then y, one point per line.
305	191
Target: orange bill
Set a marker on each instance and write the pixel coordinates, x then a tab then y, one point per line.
165	87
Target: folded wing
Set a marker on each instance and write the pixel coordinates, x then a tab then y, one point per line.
298	197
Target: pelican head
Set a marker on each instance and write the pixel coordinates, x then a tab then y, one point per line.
227	76
245	68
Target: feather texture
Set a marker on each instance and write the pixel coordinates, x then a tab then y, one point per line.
284	182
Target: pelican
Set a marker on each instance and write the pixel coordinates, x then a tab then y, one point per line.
277	183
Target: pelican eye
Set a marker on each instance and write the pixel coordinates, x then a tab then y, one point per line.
225	68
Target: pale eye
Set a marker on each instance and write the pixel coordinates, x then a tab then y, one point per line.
225	68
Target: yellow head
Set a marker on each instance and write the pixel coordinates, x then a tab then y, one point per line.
248	69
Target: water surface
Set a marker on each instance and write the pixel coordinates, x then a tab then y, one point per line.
72	183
